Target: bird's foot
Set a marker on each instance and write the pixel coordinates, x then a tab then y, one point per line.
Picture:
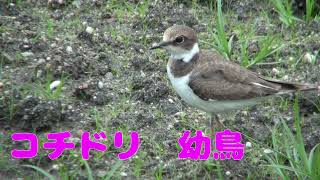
215	124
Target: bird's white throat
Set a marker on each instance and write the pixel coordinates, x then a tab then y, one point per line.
185	55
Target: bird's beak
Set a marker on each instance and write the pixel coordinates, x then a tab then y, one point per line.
161	45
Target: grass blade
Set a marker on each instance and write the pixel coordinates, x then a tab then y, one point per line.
314	162
113	170
90	176
41	171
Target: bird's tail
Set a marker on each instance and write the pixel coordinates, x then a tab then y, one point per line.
291	86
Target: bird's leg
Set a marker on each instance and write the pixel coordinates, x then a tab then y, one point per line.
215	123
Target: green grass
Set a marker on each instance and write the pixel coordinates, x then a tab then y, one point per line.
138	167
89	171
113	170
50	28
290	157
40	171
268	45
310	5
142	8
158	173
284	9
43	89
97	117
221	42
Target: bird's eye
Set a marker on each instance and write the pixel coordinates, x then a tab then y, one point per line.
179	39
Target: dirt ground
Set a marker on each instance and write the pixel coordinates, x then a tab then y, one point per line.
111	81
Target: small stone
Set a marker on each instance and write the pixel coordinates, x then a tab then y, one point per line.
27	54
41	61
69	49
228	173
39	73
1	84
84	86
55	166
100	85
248	144
55	84
267	151
101	173
246	113
89	30
309	58
275	71
123	174
291	58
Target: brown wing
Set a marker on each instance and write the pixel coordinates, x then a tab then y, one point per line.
219	79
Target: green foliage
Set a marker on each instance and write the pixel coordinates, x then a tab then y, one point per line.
41	171
284	8
310	5
159	172
290	155
113	170
44	90
89	171
50	28
222	44
266	45
97	117
142	8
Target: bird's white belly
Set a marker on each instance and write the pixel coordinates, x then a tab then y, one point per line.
181	86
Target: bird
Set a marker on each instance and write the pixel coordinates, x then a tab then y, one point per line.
206	80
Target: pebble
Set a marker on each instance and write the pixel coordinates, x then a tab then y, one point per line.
275	71
228	173
69	49
39	73
1	84
55	166
123	174
308	58
248	144
89	30
170	100
41	61
27	54
55	84
267	151
100	85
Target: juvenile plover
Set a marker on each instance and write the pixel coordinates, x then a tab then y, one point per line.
207	81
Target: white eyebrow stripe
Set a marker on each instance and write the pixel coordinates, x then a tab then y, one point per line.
258	84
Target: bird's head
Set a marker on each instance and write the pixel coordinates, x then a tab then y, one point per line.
180	41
